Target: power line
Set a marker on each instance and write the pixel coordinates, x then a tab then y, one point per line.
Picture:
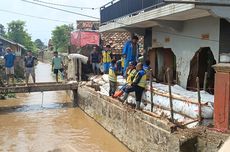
60	9
43	18
92	8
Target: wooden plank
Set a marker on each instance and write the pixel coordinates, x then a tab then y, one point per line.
38	88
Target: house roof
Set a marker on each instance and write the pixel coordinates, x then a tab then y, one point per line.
12	42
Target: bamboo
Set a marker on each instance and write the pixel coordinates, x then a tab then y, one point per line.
198	93
205	81
168	109
170	94
151	88
174	96
79	69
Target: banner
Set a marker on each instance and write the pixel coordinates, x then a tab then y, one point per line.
81	39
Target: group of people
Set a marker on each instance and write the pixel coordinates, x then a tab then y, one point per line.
135	72
130	53
105	57
29	65
136	78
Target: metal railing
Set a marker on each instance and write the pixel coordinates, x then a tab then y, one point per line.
120	8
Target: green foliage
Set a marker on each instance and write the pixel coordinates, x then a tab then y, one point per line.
61	37
18	33
39	44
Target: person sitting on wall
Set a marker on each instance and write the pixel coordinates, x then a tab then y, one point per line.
106	58
147	69
131	73
130	52
138	85
112	78
130	76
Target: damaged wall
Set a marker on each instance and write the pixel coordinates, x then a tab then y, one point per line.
196	33
138	131
144	133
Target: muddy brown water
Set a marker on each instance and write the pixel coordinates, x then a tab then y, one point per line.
25	126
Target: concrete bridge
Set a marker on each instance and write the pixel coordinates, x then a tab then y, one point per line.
39	87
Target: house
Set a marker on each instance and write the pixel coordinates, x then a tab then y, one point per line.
19	51
186	36
16	47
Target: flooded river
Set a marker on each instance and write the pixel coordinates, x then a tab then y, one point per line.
26	126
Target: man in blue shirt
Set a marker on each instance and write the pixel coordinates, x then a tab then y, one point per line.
130	52
9	65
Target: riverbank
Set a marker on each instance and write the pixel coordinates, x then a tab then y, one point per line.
29	123
142	132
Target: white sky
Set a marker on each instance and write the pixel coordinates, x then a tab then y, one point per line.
42	28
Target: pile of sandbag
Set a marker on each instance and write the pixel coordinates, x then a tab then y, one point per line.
185	103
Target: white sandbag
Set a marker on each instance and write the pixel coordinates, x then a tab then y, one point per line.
84	59
177	117
176	89
105	77
182	107
104	89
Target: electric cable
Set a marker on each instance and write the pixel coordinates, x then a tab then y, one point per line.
63	5
38	17
63	10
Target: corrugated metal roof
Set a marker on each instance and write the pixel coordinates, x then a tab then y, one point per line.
12	42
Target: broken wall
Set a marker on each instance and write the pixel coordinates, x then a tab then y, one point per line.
196	33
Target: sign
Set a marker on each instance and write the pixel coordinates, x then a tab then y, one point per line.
87	25
81	39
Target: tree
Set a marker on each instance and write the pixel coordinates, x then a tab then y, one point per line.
18	33
39	44
61	37
2	30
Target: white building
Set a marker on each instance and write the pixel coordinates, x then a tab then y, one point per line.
174	32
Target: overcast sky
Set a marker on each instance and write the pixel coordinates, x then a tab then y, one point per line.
39	28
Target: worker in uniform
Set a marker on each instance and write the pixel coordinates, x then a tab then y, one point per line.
112	78
147	69
138	85
122	64
130	52
131	72
106	58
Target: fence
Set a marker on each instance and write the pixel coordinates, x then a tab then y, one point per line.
120	8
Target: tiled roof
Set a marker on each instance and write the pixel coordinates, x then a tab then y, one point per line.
117	40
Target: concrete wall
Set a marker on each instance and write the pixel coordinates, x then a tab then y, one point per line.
138	131
187	41
141	132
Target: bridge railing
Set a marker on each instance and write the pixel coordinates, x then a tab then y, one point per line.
121	8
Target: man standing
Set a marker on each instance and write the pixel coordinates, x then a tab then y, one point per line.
130	52
106	58
57	64
95	60
29	66
112	78
9	65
